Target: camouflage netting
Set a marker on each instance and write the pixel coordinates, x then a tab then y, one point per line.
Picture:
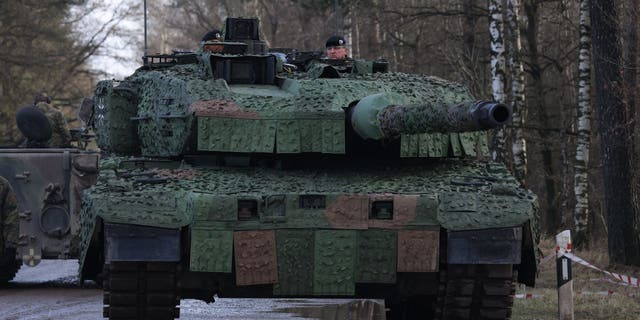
115	132
349	219
303	115
470	194
165	123
454	194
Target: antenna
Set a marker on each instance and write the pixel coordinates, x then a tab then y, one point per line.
145	28
336	9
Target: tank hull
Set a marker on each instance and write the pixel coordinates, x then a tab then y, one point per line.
322	232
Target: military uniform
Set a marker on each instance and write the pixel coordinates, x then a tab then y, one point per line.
60	135
9	223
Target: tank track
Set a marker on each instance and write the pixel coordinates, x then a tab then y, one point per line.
413	307
476	292
141	290
9	266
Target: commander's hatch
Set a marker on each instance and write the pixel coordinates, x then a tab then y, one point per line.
242	57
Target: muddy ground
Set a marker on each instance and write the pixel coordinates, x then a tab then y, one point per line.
50	291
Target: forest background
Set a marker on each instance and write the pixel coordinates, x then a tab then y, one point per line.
52	45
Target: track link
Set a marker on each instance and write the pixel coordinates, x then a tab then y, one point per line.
476	292
141	290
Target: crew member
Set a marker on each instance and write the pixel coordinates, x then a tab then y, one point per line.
212	36
337	48
60	135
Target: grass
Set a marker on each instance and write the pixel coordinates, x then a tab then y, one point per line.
623	304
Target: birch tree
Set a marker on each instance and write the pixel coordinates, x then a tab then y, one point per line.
581	164
518	147
496	30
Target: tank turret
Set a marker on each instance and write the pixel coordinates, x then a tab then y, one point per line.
377	117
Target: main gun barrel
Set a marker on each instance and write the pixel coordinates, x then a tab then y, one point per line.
374	118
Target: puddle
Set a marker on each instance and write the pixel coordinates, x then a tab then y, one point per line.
335	309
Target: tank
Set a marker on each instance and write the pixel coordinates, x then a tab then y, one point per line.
239	171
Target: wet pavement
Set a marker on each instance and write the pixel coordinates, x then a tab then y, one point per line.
50	291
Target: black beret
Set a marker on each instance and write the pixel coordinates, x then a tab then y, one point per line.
335	41
212	35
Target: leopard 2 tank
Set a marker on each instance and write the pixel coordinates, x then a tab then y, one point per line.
238	172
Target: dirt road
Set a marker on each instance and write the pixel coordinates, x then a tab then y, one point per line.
50	291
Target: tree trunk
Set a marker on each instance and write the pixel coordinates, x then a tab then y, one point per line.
614	133
468	28
497	71
519	146
552	215
631	87
631	55
581	164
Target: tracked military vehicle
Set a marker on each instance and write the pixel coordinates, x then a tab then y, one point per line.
239	172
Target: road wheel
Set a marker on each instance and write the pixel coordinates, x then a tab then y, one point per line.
476	292
8	265
141	290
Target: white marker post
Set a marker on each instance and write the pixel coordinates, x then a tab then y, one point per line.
565	282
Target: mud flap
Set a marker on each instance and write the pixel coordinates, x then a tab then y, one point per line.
137	243
489	246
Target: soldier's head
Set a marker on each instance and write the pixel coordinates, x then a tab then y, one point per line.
337	48
213	35
41	96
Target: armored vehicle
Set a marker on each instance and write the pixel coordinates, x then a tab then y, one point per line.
239	172
40	190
